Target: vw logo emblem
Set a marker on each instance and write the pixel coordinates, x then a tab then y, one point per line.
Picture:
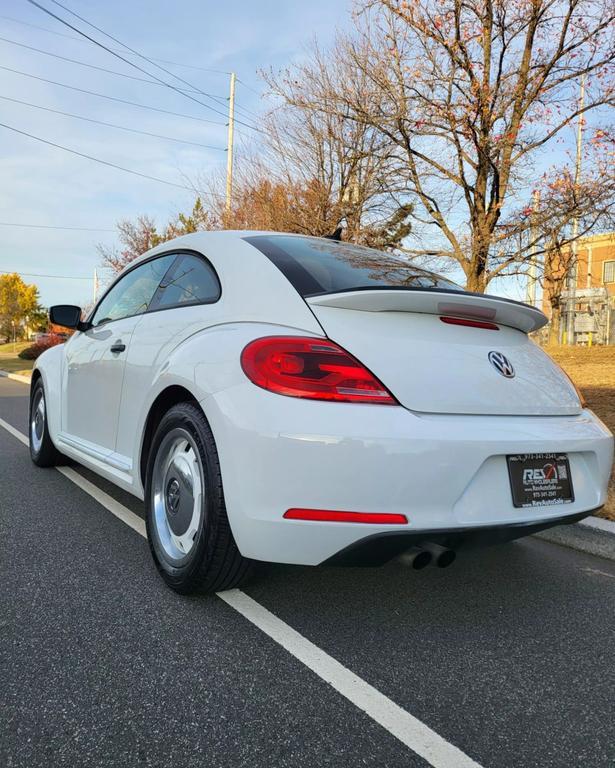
502	364
173	494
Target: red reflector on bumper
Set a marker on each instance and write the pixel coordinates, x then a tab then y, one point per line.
334	516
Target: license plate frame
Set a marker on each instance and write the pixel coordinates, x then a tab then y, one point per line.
540	479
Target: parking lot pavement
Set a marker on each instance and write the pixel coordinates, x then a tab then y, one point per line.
509	655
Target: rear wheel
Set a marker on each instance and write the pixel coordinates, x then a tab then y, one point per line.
42	450
187	525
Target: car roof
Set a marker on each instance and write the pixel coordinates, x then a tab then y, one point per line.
208	241
253	288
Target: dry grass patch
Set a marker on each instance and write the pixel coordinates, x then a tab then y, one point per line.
13	349
9	360
593	371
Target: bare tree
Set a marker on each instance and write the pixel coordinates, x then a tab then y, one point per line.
139	235
460	98
330	171
135	238
556	269
568	211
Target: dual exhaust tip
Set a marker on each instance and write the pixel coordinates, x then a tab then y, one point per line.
428	554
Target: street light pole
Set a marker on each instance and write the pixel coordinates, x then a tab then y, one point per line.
572	269
229	152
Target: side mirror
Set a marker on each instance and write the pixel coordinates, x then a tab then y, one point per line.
66	315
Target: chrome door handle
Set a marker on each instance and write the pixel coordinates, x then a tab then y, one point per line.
118	347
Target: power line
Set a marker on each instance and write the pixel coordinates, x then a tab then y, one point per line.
112	71
249	87
35	274
94	66
72	37
126	47
111	98
245	109
49	226
221	99
127	61
111	125
110	50
107	163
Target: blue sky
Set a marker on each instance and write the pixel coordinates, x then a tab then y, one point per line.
46	186
43	185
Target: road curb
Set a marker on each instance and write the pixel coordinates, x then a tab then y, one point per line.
15	377
593	535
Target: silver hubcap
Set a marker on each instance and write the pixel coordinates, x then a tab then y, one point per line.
178	493
37	420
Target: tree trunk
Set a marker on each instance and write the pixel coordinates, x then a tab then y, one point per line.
476	272
556	314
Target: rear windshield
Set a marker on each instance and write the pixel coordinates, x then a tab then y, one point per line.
316	265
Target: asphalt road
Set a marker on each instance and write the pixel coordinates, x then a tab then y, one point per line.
509	654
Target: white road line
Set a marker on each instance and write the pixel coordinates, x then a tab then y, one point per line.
596	572
401	724
119	510
16	433
413	733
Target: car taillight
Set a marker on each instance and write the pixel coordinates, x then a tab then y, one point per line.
311	368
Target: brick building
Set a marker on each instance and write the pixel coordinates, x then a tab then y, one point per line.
595	289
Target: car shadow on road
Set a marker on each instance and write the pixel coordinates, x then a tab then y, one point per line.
526	579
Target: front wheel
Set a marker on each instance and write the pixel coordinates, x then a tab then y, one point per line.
42	450
187	526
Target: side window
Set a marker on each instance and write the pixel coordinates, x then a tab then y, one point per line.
133	293
191	281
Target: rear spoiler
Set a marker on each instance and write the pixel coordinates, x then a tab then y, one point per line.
475	306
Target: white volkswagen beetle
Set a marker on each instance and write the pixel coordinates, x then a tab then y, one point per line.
300	400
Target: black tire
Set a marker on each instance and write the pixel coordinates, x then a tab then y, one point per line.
42	450
214	562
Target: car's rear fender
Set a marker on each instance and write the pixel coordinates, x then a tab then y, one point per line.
204	364
210	361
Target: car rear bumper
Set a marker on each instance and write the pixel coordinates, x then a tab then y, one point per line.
379	548
447	474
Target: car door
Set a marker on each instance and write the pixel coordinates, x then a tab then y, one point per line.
94	359
187	301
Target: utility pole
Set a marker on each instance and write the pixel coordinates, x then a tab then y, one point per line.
532	272
572	269
229	151
95	285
